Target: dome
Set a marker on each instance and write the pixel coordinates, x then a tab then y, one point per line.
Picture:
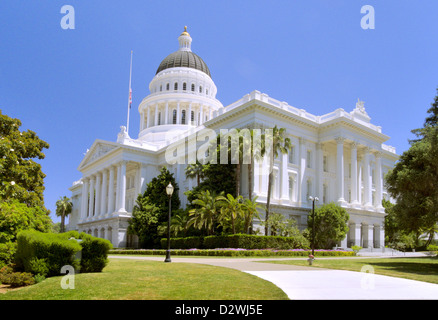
185	59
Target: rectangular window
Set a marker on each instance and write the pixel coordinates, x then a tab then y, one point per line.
291	154
291	188
325	164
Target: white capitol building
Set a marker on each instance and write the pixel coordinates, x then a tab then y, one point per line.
338	157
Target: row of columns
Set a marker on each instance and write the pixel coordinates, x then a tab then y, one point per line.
104	192
356	174
261	179
365	235
148	121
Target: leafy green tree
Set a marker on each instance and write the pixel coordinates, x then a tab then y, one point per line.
330	225
250	209
195	170
16	216
206	214
145	222
413	182
21	177
231	208
63	209
152	209
280	144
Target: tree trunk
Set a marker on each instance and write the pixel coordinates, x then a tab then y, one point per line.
62	222
250	188
238	180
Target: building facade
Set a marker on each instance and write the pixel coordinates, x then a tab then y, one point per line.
338	157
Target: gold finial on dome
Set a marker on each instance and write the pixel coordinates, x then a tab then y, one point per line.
185	33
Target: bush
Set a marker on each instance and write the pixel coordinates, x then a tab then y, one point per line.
432	248
45	253
7	252
15	279
94	253
244	241
237	252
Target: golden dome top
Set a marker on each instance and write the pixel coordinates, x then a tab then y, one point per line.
185	33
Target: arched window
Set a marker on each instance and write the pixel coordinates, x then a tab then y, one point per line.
167	86
161	87
174	117
183	117
184	86
175	86
193	87
200	89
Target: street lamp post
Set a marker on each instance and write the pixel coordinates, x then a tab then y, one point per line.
169	192
313	199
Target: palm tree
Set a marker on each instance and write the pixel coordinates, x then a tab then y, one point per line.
63	209
207	212
282	144
250	210
232	208
195	170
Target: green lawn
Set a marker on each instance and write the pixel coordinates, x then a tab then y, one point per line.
151	280
421	269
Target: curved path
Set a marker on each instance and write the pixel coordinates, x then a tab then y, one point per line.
307	283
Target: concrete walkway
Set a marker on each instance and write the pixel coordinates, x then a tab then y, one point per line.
307	283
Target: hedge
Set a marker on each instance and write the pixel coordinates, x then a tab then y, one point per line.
244	241
46	253
235	252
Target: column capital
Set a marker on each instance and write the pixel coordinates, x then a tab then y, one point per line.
354	145
340	140
378	154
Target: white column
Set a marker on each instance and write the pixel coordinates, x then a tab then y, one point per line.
284	178
178	115
141	121
367	178
378	179
201	114
319	171
122	187
189	116
166	117
111	191
301	168
104	199
354	188
357	234
340	170
156	114
91	205
143	176
148	116
98	194
84	198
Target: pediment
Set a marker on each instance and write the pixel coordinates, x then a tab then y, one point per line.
97	151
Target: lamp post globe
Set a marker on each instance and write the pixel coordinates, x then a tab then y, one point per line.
169	192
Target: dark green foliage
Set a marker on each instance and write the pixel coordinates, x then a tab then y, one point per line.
94	254
45	252
21	177
330	225
152	210
242	241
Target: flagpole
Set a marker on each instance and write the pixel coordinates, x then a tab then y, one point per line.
130	96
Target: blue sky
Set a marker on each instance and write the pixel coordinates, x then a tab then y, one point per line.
71	86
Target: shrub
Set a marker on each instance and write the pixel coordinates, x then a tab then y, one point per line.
7	252
432	248
94	253
45	253
244	241
20	279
